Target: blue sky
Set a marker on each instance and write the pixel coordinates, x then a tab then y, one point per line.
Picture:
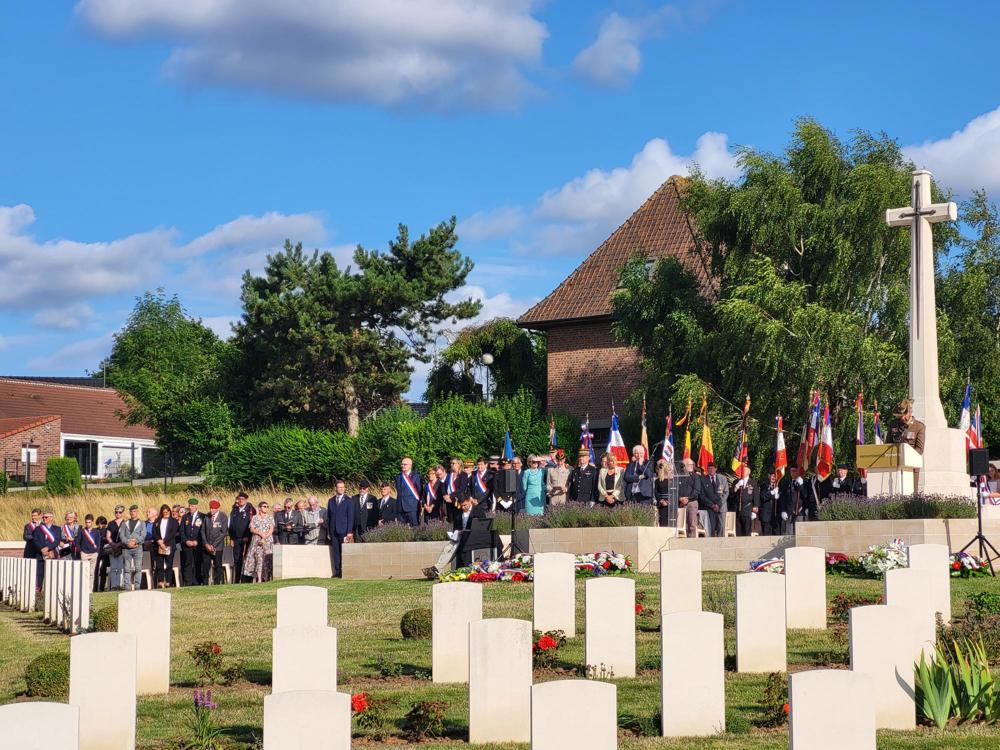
154	143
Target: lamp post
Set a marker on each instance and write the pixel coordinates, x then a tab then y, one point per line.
487	361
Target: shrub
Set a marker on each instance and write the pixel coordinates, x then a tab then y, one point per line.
857	508
774	701
207	656
435	531
416	623
425	719
842	604
545	646
105	619
62	476
984	603
47	675
719	598
3	482
976	626
374	717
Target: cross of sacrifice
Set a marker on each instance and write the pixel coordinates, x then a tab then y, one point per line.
924	386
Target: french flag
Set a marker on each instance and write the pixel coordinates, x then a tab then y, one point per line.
965	420
616	447
824	456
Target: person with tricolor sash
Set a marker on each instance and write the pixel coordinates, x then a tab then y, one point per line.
409	490
47	537
455	483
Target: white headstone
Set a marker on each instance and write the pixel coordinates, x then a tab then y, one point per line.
574	714
883	642
680	581
454	606
302	605
609	638
500	673
49	590
692	688
307	720
146	615
78	594
934	558
944	468
22	723
830	709
102	670
907	588
554	592
760	623
805	588
303	657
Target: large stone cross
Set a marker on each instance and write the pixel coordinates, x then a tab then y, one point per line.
924	382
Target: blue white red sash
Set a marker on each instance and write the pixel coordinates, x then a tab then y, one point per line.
480	482
90	538
430	493
451	483
67	534
413	487
45	530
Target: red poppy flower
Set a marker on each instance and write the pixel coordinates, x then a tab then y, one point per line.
638	608
785	708
517	577
956	565
606	565
359	702
216	648
546	642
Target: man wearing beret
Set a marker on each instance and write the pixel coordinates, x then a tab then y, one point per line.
214	530
191	550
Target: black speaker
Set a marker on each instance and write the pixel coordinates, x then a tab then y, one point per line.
519	543
507	484
979	461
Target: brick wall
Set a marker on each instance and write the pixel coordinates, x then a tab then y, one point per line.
49	444
588	368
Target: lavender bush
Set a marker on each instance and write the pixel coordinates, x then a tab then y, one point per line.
885	507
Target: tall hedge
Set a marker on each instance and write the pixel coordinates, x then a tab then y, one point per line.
62	476
288	456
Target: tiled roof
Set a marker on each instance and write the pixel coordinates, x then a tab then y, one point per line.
659	228
13	425
84	410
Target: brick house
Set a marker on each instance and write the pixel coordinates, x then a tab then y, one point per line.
43	418
587	367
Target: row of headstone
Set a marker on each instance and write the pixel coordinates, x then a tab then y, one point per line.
18	582
67	586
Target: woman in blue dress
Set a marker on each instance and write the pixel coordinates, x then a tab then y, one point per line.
533	479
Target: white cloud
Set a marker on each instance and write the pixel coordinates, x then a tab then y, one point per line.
271	229
967	159
484	225
221	324
67	318
85	354
440	53
613	59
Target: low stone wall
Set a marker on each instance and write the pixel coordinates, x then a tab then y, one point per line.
855	537
734	553
11	549
303	561
642	543
396	560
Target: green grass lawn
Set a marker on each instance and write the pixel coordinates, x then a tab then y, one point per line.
367	616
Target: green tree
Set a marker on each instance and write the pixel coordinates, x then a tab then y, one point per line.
810	291
518	362
322	346
168	367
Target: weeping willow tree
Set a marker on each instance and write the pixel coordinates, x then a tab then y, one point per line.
812	292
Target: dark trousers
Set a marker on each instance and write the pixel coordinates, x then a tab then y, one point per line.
191	565
211	564
716	526
766	516
162	565
411	517
239	549
101	572
336	542
744	524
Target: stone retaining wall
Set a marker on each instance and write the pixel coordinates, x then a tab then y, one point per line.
855	537
735	552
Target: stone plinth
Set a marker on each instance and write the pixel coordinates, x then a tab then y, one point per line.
291	561
307	720
733	553
303	657
574	714
830	709
907	588
760	623
454	606
855	537
805	588
302	605
680	581
102	673
500	674
40	725
883	644
642	543
146	615
610	624
554	592
692	688
934	558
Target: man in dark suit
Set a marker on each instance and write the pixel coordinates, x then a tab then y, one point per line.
639	476
364	505
770	502
746	500
409	488
386	508
30	550
190	538
717	494
239	532
793	491
340	525
840	483
468	512
213	542
47	536
481	484
455	483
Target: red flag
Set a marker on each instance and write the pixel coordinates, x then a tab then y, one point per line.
824	456
780	454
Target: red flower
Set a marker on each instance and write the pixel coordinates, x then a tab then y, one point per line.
956	565
517	577
546	642
606	565
638	608
785	708
359	702
216	648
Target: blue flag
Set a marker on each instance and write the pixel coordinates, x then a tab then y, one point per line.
508	447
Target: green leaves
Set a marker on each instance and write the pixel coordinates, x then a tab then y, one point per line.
957	682
934	691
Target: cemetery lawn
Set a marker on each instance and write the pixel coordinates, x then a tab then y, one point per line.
367	615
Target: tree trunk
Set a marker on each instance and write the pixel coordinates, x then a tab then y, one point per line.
353	416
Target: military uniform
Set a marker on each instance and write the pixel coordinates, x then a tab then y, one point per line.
746	498
583	484
911	433
213	534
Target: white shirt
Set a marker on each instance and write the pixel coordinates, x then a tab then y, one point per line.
465	518
163	527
